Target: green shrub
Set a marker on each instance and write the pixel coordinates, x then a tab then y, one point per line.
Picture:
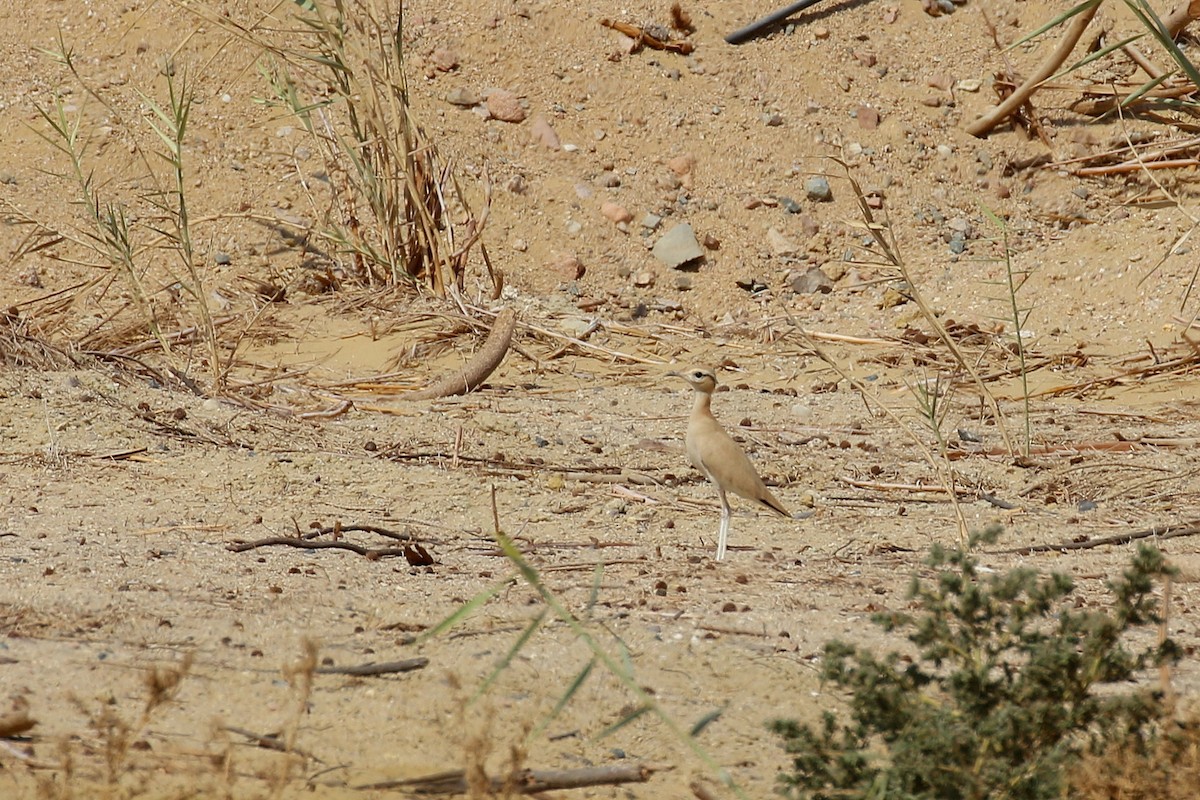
1000	695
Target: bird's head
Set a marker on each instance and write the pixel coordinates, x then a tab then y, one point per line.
700	379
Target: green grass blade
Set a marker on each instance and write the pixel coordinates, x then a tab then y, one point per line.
621	723
1154	25
1087	5
572	688
530	629
594	597
1101	53
706	720
604	658
465	610
1146	87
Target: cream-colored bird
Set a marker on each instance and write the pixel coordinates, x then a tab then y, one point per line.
719	457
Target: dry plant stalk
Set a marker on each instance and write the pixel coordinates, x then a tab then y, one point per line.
1021	94
477	370
420	229
892	254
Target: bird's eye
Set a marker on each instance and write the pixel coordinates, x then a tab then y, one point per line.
698	375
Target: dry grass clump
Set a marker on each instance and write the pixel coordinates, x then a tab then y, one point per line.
396	212
390	217
1167	769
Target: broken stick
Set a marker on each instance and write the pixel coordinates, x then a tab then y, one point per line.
478	368
524	782
1159	532
997	114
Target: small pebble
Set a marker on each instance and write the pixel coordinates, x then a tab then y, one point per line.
817	188
868	118
462	97
682	165
515	184
789	205
222	259
505	106
812	281
444	60
568	266
651	221
541	132
615	212
780	245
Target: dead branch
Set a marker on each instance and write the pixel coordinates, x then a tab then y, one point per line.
303	544
385	668
1180	365
984	125
270	741
1181	17
1075	448
526	781
1117	169
1159	532
904	487
478	368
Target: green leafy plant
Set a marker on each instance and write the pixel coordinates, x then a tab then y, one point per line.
1000	695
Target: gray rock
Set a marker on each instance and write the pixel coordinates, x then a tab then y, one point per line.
789	205
678	246
651	221
817	188
780	245
222	259
463	97
812	281
7	177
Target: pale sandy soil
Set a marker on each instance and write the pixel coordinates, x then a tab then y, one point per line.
120	498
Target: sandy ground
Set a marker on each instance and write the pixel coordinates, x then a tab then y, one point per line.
121	497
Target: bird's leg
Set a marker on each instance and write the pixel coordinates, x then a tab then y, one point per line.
723	536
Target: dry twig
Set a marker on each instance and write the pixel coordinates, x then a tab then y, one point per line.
526	781
478	368
1159	532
